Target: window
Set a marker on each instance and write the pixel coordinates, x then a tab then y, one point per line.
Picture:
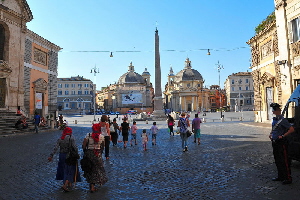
79	85
247	88
73	85
232	81
66	105
294	30
59	92
232	88
240	88
86	92
59	85
247	80
79	92
66	85
66	92
86	85
73	92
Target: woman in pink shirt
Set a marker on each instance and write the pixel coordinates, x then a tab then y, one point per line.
133	133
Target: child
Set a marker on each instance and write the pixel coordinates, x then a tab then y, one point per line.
144	139
133	133
154	130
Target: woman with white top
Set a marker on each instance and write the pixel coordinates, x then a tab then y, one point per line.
93	145
106	133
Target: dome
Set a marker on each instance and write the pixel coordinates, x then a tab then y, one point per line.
188	74
145	73
131	76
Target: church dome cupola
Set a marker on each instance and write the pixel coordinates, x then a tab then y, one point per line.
131	76
188	74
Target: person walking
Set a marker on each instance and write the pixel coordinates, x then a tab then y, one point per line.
144	139
196	128
37	121
154	130
125	131
183	124
281	128
114	127
133	133
93	145
68	173
171	123
104	126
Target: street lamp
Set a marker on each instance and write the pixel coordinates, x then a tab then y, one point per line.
219	70
94	70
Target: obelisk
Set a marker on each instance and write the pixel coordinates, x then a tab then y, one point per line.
158	113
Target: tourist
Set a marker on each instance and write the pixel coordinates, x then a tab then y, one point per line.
114	127
154	130
183	124
93	145
125	131
68	173
196	128
37	120
133	133
106	133
171	123
144	139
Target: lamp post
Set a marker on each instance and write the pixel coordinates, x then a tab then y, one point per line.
219	70
94	70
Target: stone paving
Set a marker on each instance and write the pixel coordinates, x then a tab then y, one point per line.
234	161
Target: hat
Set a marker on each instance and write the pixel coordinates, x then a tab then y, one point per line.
274	106
67	130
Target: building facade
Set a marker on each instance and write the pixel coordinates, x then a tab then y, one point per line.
28	63
184	91
132	92
239	91
75	95
276	58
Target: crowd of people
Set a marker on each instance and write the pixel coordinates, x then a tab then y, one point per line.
98	141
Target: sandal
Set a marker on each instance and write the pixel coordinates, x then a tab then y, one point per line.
65	189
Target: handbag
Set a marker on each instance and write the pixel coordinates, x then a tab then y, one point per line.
85	163
72	155
188	133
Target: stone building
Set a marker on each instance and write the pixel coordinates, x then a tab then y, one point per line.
239	91
184	91
275	53
28	63
75	95
132	92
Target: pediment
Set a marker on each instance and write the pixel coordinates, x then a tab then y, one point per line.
40	85
5	70
267	77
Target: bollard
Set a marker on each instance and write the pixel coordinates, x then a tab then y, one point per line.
203	120
146	121
75	121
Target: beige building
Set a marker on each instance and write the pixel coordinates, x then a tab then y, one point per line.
239	91
184	91
132	92
75	95
276	58
28	63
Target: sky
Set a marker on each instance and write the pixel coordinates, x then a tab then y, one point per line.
87	31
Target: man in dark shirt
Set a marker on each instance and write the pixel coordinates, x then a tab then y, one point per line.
281	128
125	131
37	120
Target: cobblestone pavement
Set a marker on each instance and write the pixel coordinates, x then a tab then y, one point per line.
234	161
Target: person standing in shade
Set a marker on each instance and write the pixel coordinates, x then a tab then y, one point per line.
281	128
196	128
183	124
37	120
104	126
65	172
114	134
125	131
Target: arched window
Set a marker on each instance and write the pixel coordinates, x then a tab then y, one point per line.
2	41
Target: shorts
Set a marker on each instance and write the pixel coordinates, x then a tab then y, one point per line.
133	136
125	137
153	136
197	133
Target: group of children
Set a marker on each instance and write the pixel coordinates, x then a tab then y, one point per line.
145	138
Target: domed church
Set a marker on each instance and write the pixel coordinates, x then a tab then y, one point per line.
184	91
133	92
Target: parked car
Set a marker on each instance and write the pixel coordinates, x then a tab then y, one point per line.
117	113
112	113
131	112
291	112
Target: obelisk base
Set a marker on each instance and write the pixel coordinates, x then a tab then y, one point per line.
158	113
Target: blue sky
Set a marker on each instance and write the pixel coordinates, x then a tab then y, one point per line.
186	27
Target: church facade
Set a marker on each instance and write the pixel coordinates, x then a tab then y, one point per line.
132	92
184	91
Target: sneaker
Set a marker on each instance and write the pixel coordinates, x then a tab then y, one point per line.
186	149
183	150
